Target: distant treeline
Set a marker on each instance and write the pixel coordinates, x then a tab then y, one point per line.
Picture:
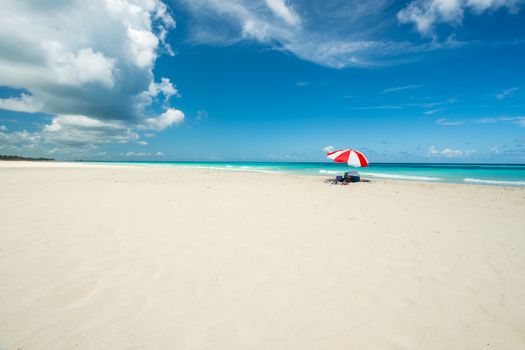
2	157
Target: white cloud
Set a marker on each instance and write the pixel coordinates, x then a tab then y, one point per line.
19	137
494	150
399	88
139	154
486	5
143	45
165	120
328	149
341	35
506	93
449	100
202	115
432	111
136	154
379	107
19	141
406	105
142	143
447	122
165	87
3	128
493	120
520	121
280	9
23	103
425	14
89	64
79	130
432	151
449	153
81	67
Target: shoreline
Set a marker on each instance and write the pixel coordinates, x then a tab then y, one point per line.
109	164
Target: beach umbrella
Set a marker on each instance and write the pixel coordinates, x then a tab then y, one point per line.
349	156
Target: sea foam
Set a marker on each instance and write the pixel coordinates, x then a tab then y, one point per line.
494	182
402	177
330	172
230	168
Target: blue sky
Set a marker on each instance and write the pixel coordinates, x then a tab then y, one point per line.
274	80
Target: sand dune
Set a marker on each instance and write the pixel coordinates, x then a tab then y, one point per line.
126	257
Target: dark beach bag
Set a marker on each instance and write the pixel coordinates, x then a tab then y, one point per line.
352	178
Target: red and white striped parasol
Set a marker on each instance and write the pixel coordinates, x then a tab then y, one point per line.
349	156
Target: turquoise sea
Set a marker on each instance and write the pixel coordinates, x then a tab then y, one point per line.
480	174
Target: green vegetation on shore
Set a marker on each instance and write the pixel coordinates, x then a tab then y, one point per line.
5	157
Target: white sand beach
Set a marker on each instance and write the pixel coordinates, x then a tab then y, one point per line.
130	257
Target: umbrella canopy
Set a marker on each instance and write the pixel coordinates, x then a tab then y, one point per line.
349	156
